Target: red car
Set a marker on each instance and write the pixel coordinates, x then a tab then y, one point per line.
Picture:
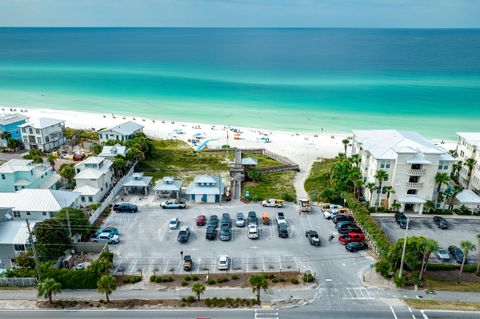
351	237
201	220
79	157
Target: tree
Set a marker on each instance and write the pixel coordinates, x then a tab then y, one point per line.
429	205
396	206
67	171
134	154
51	159
52	239
119	164
79	223
5	135
357	184
35	155
389	190
258	283
470	164
478	260
106	285
13	144
198	289
457	189
428	246
466	247
371	187
345	145
49	287
440	179
254	175
456	170
96	149
381	176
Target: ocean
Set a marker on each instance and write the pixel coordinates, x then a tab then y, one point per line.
337	80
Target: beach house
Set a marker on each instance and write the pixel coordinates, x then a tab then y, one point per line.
37	204
468	150
93	179
43	133
9	126
19	174
410	161
122	132
206	189
110	152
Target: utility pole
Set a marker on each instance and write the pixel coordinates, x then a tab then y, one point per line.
33	250
68	222
404	248
220	189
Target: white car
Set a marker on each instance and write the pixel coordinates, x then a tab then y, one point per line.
252	231
331	211
443	255
173	224
108	238
223	262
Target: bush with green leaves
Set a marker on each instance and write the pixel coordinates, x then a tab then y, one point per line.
308	278
294	281
194	278
211	281
132	279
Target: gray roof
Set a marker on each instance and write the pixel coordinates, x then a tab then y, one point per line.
467	196
127	128
109	151
138	180
17	165
38	200
472	138
207	190
42	122
168	184
249	161
205	179
7	119
15	231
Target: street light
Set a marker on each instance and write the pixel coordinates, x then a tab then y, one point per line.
404	248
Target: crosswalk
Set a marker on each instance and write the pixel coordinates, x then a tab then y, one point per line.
266	314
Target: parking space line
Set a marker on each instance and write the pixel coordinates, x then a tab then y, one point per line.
263	263
166	266
280	262
393	312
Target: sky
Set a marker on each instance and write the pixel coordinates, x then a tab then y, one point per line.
242	13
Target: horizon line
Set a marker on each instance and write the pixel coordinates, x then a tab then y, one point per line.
234	27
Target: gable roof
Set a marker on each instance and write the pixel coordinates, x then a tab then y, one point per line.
467	196
7	119
15	232
38	200
42	122
117	149
126	128
87	190
17	165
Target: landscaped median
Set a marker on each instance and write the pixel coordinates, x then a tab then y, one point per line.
426	304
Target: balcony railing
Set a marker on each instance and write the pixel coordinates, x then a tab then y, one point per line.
416	172
413	185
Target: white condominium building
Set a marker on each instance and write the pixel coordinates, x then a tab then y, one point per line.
468	146
411	162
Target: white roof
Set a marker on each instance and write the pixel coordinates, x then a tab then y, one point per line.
467	196
412	200
38	200
87	190
472	138
16	165
6	119
205	179
138	180
387	144
249	161
127	128
207	190
117	149
14	232
42	122
163	185
90	173
91	160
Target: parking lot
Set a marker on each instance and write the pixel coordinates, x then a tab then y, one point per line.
147	244
458	230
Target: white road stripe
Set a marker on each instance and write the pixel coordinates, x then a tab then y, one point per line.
393	312
413	316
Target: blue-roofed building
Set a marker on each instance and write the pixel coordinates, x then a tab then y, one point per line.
10	123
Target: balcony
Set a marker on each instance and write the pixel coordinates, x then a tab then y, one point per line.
416	172
410	185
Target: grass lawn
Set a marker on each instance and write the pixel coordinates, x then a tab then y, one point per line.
319	179
442	305
451	285
263	161
275	185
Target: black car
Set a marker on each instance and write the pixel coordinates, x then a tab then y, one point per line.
401	220
213	221
211	232
356	246
342	218
441	222
225	233
125	208
183	234
313	237
341	225
226	220
252	218
282	230
456	253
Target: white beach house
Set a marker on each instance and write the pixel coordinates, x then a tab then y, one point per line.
43	133
19	174
468	146
111	151
206	189
93	179
122	132
410	160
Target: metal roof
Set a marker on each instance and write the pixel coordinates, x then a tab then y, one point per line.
14	232
127	128
134	181
472	138
17	165
205	179
193	188
117	149
38	200
42	122
7	119
467	196
87	190
175	185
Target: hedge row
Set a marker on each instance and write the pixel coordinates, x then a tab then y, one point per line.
131	279
448	267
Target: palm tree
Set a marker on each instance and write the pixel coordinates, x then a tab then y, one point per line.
445	197
134	154
389	190
106	285
467	247
470	163
429	205
440	179
355	160
345	145
456	170
381	176
49	287
457	189
258	283
5	135
51	159
198	289
119	164
478	260
371	187
396	206
429	246
357	184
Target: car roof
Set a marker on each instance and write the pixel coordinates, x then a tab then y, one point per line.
173	219
184	227
223	257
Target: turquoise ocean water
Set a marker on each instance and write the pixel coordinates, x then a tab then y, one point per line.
288	79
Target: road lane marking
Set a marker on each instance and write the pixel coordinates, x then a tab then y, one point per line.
413	316
423	314
393	312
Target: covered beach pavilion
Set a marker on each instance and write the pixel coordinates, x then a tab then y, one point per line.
168	187
137	181
468	199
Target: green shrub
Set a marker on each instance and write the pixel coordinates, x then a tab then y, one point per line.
269	276
439	211
274	280
234	277
308	278
188	299
132	279
222	280
184	283
294	281
194	278
187	278
399	281
211	281
439	267
281	279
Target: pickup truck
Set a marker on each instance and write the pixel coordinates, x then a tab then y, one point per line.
273	203
173	204
280	218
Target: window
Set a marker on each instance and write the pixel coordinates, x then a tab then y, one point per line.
462	153
19	247
23	130
17	214
47	139
412	192
100	135
416	166
3	176
413	179
31	131
385	164
39	140
37	131
83	198
16	188
28	214
44	213
90	199
442	165
384	189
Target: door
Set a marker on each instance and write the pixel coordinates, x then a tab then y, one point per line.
204	198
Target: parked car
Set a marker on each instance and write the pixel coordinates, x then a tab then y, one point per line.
351	237
79	157
108	229
443	255
313	237
266	219
273	203
356	246
173	224
344	224
125	208
282	230
401	220
225	233
173	204
441	222
331	210
456	253
342	218
184	234
211	232
201	220
281	219
240	220
105	238
213	221
252	231
226	220
349	229
252	218
223	262
187	263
